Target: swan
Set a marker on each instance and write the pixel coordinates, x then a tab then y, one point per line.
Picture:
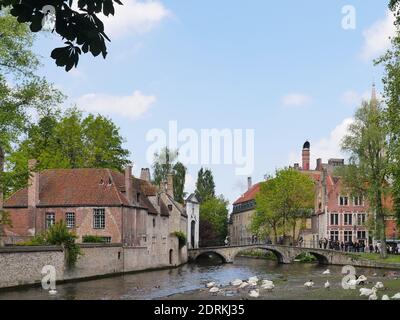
385	298
380	285
309	285
243	285
268	286
52	292
352	283
254	293
253	280
236	283
373	297
214	290
361	279
327	285
210	285
327	272
396	296
367	292
267	282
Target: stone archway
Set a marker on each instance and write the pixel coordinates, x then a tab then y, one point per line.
207	253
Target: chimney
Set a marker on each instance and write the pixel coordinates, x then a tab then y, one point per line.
170	184
145	174
306	156
1	175
33	184
249	183
319	164
129	183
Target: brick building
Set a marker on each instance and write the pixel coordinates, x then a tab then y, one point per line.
101	202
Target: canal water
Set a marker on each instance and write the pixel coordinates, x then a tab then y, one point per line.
188	282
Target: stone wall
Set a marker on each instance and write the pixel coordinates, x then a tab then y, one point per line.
23	265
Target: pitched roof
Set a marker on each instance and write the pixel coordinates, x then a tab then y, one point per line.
249	194
81	187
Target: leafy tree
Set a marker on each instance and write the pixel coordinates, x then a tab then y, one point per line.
166	162
205	186
75	21
391	80
208	237
67	140
283	202
366	142
215	212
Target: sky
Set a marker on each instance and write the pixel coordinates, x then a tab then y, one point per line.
289	70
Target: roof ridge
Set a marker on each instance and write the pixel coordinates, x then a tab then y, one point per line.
114	186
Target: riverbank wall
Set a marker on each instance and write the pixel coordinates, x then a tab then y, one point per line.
21	266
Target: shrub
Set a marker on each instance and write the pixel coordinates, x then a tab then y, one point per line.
58	235
182	238
93	239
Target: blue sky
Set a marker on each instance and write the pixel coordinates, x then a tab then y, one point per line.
286	69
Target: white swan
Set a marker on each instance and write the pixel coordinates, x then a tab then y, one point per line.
309	285
327	272
385	298
214	290
396	296
52	292
267	282
327	285
373	297
236	283
352	283
243	285
361	279
268	286
254	293
210	285
380	285
253	280
367	292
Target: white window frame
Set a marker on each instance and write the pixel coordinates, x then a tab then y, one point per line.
70	219
99	218
50	219
346	223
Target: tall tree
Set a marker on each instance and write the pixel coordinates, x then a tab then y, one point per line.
166	162
68	140
366	142
391	80
284	202
214	212
75	21
205	186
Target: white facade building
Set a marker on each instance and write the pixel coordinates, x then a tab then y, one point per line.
193	213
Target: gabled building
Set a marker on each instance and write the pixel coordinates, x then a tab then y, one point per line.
242	215
193	213
116	206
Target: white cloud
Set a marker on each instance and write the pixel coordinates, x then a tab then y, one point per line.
135	17
325	148
377	37
296	100
132	106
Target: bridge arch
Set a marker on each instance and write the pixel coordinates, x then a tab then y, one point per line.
212	252
279	255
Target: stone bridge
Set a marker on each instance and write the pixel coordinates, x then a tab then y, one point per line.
285	254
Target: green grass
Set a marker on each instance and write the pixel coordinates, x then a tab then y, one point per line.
377	257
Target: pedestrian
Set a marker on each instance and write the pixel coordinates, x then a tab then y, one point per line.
371	248
320	244
342	246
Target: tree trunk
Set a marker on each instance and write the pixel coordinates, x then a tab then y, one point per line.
1	195
380	217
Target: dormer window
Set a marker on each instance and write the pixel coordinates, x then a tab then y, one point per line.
170	207
138	197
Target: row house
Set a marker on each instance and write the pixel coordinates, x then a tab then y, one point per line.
106	203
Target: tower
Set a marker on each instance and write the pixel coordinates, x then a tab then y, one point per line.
306	156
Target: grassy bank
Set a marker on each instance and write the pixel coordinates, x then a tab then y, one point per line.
377	257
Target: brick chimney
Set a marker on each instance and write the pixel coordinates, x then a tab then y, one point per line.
170	184
145	174
306	156
249	183
319	164
33	184
129	183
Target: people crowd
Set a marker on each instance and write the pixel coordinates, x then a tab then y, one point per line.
357	247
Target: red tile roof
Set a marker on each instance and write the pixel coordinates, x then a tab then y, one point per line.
249	194
82	187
